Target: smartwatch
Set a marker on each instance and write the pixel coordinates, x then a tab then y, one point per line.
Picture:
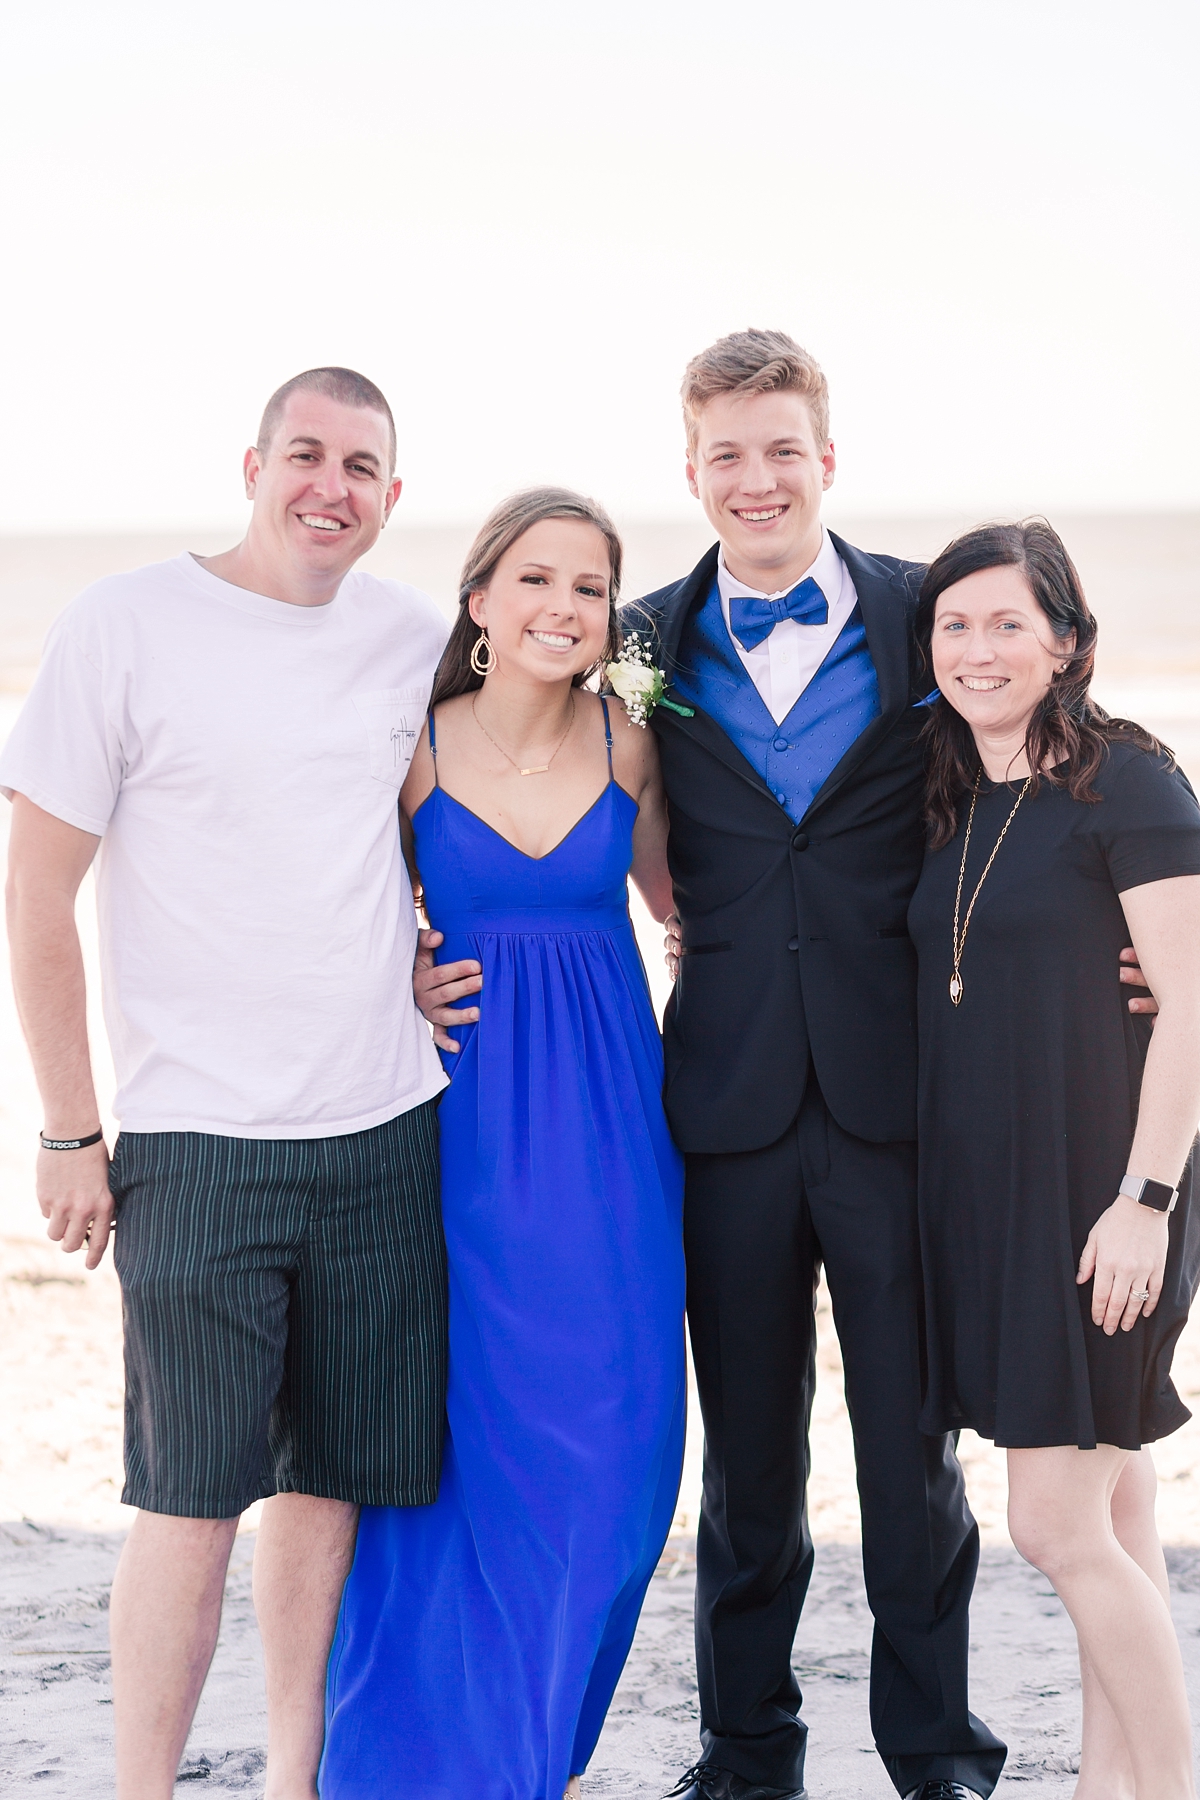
1154	1194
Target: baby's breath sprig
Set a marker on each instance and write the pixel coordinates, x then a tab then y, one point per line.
637	680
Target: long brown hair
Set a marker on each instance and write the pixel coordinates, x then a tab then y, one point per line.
497	535
1067	727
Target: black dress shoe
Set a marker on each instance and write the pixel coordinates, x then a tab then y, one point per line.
942	1790
706	1782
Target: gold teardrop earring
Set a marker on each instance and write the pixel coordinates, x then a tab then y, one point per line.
481	663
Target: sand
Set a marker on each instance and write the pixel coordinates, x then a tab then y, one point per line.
56	1723
60	1374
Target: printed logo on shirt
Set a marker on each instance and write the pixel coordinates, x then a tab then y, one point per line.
393	719
404	741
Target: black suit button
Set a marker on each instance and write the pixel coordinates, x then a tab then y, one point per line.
793	943
799	840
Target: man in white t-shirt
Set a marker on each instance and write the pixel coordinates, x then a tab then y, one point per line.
226	738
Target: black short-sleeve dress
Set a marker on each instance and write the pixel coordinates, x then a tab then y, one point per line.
1028	1102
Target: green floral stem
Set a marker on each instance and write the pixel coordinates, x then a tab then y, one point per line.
685	712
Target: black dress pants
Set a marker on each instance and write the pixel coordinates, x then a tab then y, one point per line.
757	1226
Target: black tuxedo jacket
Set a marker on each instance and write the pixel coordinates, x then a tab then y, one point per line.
796	951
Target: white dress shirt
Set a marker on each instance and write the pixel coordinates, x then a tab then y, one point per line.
782	666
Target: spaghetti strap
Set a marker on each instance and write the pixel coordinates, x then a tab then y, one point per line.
607	735
433	747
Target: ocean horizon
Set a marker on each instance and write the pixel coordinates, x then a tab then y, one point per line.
1141	570
1142	574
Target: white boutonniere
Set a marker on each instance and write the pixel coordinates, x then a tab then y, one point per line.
640	683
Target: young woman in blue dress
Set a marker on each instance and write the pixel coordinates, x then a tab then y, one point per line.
1059	1236
481	1638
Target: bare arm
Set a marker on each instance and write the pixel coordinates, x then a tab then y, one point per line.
637	768
47	861
435	985
650	873
1127	1247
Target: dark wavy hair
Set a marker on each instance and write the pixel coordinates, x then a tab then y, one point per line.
498	533
1068	734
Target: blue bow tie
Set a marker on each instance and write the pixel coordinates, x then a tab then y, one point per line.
753	620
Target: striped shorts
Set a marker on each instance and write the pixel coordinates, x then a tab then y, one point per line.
285	1317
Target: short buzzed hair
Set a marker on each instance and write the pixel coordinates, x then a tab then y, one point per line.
754	362
346	386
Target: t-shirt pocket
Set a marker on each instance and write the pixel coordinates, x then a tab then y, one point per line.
393	718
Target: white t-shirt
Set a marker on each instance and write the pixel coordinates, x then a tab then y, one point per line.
241	759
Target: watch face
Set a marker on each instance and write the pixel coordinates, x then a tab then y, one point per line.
1156	1194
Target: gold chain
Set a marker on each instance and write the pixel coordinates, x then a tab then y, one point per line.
959	939
541	767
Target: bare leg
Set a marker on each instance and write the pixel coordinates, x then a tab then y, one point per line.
1105	1769
303	1555
1105	1766
1061	1520
571	1791
164	1617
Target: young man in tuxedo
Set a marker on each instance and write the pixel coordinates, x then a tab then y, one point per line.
795	796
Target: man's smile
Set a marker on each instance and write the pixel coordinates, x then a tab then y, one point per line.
758	515
322	522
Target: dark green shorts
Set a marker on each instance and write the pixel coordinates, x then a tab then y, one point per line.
285	1317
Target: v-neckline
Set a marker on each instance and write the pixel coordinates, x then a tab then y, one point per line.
737	667
546	854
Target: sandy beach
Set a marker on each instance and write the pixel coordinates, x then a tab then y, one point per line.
60	1369
61	1338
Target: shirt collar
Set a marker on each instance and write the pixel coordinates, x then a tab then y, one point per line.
825	569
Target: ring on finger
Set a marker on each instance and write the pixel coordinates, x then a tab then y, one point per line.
1139	1294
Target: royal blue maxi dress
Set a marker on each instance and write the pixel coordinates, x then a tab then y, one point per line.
481	1638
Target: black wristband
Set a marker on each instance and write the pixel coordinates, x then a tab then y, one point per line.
70	1143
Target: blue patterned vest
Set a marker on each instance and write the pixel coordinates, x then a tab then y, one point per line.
796	757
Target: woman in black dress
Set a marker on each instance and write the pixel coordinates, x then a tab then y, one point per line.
1055	1129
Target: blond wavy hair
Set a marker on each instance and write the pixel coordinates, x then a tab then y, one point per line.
754	362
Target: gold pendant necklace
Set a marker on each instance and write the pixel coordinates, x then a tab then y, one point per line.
960	938
541	768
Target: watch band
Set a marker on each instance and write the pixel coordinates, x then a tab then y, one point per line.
1155	1194
70	1143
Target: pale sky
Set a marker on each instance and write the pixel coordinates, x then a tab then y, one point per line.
521	219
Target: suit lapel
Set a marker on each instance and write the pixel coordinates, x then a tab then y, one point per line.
703	729
886	618
678	602
668	623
